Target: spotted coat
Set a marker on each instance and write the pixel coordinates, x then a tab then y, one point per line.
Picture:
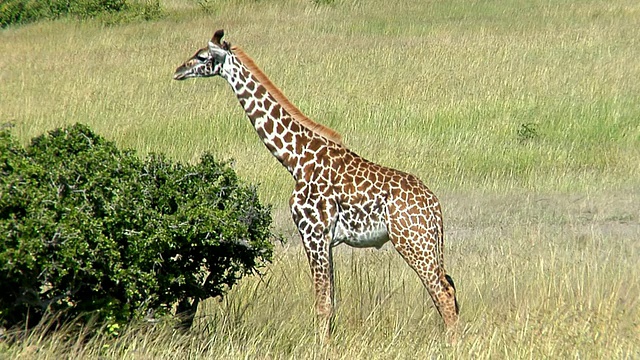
339	197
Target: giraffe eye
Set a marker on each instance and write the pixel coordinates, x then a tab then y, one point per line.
202	56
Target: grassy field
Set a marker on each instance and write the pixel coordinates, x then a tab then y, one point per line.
523	116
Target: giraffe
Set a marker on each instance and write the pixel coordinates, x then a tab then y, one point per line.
339	197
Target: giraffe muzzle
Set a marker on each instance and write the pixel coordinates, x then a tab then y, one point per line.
180	73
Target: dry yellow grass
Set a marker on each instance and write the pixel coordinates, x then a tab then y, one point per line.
538	277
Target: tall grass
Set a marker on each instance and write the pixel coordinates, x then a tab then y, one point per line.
436	89
543	230
532	284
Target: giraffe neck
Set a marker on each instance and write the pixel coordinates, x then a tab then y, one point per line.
285	138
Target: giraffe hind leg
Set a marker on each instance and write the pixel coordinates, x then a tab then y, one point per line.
453	285
444	297
440	288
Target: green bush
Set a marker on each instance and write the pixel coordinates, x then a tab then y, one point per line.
89	230
25	11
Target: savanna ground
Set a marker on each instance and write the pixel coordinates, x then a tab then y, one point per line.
523	116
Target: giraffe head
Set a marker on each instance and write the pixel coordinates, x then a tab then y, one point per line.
207	61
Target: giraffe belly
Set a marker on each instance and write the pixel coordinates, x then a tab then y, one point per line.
372	234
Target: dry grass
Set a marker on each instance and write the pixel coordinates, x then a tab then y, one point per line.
538	277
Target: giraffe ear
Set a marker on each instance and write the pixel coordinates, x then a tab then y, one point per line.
217	37
217	52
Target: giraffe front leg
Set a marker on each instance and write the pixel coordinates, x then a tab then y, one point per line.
321	263
312	215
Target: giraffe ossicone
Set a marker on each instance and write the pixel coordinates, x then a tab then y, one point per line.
339	197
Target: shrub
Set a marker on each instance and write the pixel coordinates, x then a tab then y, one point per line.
88	229
25	11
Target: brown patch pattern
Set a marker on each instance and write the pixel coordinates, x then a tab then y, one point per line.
340	197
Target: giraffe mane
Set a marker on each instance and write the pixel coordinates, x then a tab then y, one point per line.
297	115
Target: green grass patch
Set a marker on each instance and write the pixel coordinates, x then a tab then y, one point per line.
18	12
438	94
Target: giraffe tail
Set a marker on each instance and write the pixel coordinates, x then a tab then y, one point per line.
453	285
